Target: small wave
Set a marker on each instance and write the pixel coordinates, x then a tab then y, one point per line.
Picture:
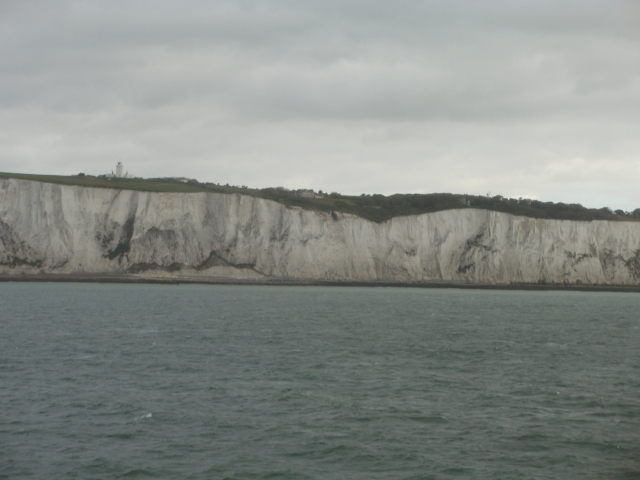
428	418
139	472
122	436
142	417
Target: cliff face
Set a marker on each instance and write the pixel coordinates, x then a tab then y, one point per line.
61	229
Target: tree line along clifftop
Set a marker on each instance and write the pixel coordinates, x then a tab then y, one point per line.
377	208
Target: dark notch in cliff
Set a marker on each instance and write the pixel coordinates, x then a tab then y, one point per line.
633	264
471	247
124	245
10	242
213	260
377	208
143	267
13	261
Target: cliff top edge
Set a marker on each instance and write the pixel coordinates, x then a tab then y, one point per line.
376	208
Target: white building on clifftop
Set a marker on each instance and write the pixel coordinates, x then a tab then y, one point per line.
119	172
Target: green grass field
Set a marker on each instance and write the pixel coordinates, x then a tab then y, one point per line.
377	208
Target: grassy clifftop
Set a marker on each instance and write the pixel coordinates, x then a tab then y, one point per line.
377	208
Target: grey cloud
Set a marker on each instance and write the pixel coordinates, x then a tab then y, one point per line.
413	60
270	90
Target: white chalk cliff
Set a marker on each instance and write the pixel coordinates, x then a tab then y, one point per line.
64	229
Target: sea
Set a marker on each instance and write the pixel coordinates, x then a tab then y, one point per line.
102	381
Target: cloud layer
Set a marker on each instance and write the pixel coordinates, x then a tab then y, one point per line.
529	98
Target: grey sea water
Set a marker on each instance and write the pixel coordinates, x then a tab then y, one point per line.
227	382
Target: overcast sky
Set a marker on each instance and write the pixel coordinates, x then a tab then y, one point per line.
526	98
